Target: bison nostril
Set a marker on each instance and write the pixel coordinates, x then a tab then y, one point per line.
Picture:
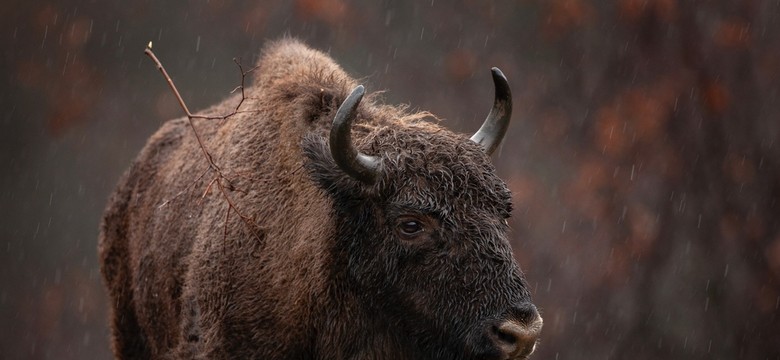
504	336
515	339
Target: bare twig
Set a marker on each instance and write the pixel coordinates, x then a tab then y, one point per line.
219	175
166	202
246	220
208	188
150	54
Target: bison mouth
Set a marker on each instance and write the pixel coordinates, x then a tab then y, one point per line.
512	338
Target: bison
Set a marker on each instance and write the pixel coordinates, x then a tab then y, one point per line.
342	229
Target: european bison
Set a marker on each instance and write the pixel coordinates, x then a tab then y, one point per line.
360	230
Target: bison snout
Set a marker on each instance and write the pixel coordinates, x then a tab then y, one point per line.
516	338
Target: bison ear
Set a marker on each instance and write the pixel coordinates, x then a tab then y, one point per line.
320	165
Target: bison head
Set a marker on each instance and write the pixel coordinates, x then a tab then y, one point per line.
421	228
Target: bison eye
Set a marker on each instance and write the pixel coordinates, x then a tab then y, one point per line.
411	227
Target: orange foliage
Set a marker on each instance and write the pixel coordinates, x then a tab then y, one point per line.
631	11
587	191
460	64
647	114
767	300
635	115
50	309
330	11
772	256
563	16
67	112
610	129
716	97
733	33
67	83
730	228
737	169
48	16
77	33
644	228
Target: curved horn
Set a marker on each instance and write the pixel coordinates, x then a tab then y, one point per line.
361	167
497	122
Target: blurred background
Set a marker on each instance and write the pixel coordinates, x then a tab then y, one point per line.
643	154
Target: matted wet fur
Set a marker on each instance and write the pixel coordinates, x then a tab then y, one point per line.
322	273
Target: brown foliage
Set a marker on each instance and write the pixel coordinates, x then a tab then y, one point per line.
67	82
565	16
329	11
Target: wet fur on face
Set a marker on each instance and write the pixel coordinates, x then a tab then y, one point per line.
461	265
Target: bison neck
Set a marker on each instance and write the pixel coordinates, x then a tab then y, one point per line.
350	329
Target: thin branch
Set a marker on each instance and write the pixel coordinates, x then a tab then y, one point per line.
150	54
208	188
166	202
148	51
246	220
219	175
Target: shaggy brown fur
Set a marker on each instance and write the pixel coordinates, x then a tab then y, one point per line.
327	275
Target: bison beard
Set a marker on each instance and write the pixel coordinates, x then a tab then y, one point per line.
374	233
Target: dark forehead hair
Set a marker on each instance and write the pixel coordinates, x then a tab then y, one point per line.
430	167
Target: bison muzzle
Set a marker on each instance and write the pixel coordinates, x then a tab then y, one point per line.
345	229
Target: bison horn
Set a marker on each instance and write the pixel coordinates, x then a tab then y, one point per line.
361	167
495	126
